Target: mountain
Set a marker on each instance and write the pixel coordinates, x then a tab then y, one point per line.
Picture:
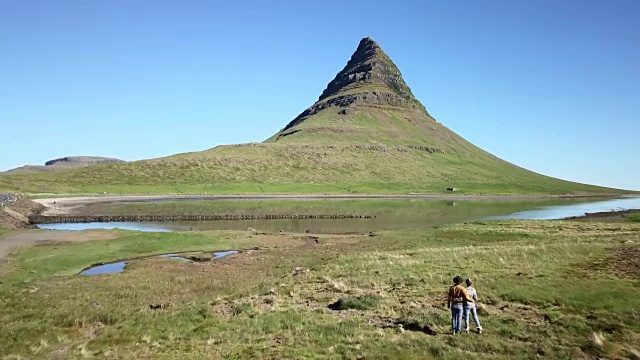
64	163
367	133
368	102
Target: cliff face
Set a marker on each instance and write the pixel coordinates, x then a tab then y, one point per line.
369	65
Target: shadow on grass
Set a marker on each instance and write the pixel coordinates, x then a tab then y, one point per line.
364	302
416	327
403	325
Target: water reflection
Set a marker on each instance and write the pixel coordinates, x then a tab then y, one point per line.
407	214
565	211
139	226
222	254
115	267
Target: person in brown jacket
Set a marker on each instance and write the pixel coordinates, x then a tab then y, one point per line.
455	301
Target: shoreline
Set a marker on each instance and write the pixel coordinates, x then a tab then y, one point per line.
63	205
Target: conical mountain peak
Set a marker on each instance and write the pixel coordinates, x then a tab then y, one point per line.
370	86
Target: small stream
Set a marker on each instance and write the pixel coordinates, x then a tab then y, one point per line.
118	266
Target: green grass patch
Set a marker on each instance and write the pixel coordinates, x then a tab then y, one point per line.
635	216
364	302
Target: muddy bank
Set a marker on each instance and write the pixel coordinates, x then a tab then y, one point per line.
16	215
41	219
607	215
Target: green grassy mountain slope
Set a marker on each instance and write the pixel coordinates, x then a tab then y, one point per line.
367	133
301	168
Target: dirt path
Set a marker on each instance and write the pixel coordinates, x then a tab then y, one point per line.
11	241
66	205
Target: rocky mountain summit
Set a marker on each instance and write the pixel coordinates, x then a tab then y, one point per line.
370	78
368	102
369	65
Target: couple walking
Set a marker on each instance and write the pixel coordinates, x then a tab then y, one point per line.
462	301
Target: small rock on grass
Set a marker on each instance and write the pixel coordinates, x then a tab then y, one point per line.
299	270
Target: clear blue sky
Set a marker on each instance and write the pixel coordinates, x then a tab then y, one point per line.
552	86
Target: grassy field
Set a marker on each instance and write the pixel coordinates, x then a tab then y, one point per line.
549	289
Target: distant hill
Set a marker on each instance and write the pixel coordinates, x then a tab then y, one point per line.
367	133
64	163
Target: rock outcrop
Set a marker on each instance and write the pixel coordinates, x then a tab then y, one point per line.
84	160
